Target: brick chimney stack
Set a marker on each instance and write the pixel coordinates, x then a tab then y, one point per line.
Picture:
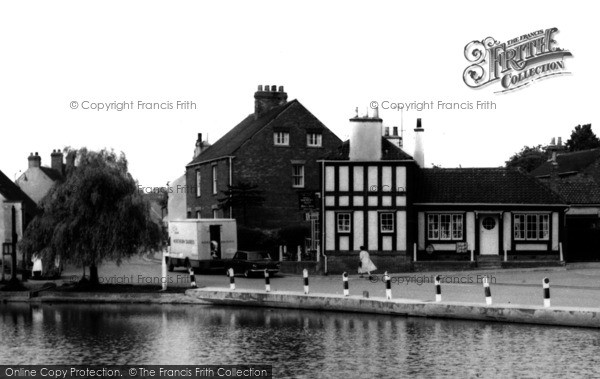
34	160
268	98
200	145
70	161
56	161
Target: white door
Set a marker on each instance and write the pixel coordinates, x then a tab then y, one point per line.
488	235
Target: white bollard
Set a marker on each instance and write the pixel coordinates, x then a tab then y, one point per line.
414	252
388	286
560	251
192	278
231	279
267	281
488	292
305	275
164	272
280	253
299	253
345	280
505	255
546	285
438	289
472	256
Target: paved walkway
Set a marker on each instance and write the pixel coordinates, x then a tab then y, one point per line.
579	286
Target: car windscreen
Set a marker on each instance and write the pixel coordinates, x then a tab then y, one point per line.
255	256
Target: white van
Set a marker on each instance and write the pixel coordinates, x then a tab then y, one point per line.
203	244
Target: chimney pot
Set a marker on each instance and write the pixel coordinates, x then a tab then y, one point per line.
260	87
266	88
56	161
559	141
36	153
419	154
34	160
395	131
273	88
553	141
280	88
387	131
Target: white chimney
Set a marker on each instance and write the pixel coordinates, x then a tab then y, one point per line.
365	138
419	154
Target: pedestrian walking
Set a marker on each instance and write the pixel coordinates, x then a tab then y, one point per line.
366	265
36	271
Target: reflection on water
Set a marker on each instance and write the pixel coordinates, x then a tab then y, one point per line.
297	343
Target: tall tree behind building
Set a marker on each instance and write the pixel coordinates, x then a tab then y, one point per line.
582	138
529	158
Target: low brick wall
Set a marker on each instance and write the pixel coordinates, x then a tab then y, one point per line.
532	264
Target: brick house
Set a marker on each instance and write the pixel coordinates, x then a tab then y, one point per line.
37	180
275	148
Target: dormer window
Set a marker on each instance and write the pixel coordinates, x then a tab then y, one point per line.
314	139
281	138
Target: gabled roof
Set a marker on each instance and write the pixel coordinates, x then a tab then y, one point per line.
53	174
11	192
242	132
482	185
579	191
389	152
576	161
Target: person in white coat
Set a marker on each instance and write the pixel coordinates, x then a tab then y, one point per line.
366	265
36	271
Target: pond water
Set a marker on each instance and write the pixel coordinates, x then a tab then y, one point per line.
299	344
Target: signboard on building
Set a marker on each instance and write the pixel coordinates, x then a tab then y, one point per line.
307	200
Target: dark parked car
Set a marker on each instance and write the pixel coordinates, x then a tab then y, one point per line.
252	263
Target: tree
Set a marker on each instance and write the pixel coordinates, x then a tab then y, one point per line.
242	196
529	158
582	138
97	214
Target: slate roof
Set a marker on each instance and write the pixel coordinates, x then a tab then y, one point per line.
242	132
389	152
482	185
569	162
53	174
11	192
581	191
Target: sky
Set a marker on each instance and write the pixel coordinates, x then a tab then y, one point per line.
332	56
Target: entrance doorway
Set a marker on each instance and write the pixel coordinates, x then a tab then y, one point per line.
489	236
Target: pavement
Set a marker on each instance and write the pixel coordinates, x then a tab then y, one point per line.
577	285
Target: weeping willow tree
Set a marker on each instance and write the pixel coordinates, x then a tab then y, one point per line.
96	214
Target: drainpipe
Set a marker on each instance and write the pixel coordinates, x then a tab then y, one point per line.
230	183
323	215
